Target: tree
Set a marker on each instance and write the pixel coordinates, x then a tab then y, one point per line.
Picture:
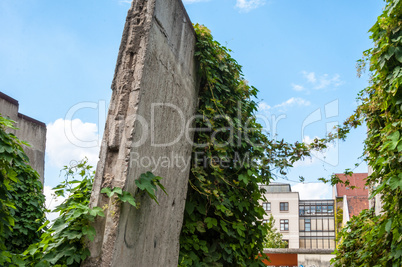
370	240
273	238
21	198
63	242
223	216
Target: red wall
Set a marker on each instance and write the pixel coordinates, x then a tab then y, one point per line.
281	260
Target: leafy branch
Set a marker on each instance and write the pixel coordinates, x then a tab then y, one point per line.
147	182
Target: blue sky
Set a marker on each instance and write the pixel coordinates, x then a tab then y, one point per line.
59	56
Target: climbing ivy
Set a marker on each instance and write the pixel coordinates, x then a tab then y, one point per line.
63	243
147	182
370	240
21	198
231	158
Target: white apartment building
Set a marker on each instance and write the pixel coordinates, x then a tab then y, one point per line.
305	224
283	205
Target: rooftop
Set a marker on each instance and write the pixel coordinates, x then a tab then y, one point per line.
22	116
277	188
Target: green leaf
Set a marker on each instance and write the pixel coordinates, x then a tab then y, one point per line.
96	211
90	232
398	54
190	207
395	182
148	182
399	147
117	190
211	222
127	197
224	226
200	227
43	225
394	136
243	178
390	53
107	191
388	225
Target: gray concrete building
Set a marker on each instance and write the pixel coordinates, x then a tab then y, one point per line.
30	130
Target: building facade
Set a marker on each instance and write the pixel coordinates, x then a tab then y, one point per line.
306	224
283	205
317	224
30	130
350	199
375	202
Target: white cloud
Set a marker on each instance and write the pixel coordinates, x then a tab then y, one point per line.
263	106
291	102
310	76
297	87
71	140
248	5
326	81
313	190
321	81
51	202
294	101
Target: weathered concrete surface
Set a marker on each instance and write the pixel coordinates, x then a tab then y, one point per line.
30	130
154	96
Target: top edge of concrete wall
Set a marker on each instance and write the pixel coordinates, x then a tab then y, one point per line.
187	16
20	115
9	99
32	120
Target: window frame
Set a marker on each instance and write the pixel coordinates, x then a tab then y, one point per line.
285	206
307	222
266	205
283	224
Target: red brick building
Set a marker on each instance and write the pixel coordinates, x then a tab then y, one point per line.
353	198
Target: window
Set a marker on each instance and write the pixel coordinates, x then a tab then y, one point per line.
266	206
324	209
287	243
264	221
330	209
284	225
284	206
318	209
307	209
301	210
307	225
312	209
